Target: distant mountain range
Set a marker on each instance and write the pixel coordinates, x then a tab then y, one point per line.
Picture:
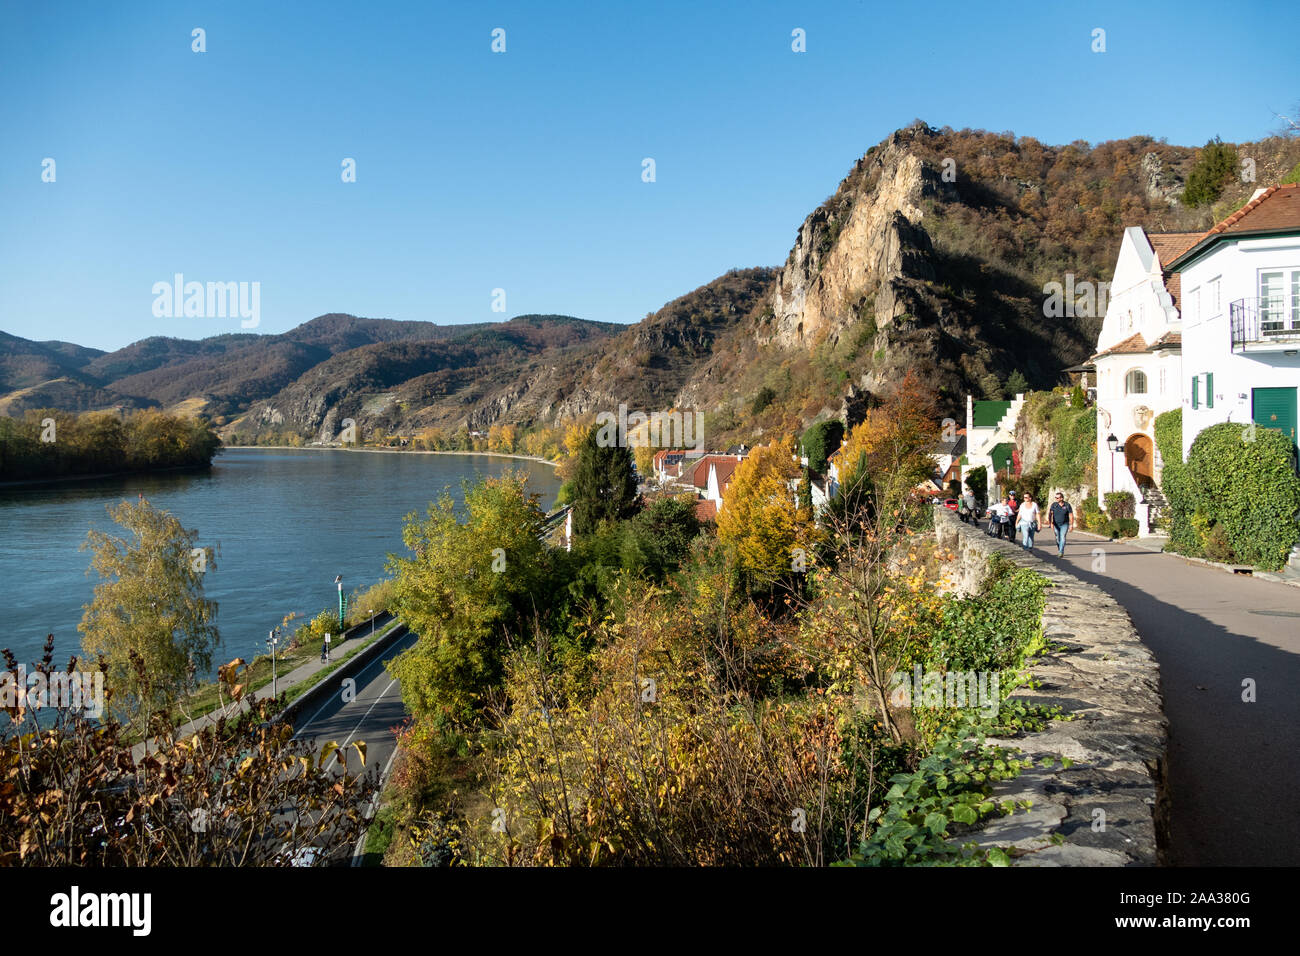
932	254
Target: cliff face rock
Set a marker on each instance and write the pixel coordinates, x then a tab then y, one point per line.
1160	187
853	255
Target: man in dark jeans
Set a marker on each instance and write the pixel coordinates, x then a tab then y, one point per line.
1061	516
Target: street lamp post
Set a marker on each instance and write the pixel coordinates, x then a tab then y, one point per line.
1112	442
338	579
271	641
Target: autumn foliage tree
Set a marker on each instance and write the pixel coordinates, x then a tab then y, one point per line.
760	518
890	444
242	792
149	606
469	575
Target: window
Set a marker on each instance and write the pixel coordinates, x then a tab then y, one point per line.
1163	375
1135	383
1193	301
1212	297
1130	321
1272	306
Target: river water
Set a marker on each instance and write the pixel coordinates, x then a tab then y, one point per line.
283	523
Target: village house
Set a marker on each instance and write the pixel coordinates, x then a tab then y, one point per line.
1138	365
990	438
1241	318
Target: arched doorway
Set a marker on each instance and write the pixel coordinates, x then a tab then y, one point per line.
1139	455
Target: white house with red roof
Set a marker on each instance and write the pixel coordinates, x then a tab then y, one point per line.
1139	364
1241	318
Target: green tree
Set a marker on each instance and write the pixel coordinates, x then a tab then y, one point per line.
150	604
1017	384
1214	167
604	485
470	580
821	441
659	539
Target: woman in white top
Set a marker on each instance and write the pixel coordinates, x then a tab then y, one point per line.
1027	521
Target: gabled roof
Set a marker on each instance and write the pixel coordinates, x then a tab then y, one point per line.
1135	344
700	470
1170	245
1276	210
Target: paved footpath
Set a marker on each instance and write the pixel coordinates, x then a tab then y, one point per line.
1233	773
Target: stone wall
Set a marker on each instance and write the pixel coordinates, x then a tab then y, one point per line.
1098	671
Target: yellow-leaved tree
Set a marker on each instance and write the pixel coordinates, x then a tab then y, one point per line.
772	534
150	606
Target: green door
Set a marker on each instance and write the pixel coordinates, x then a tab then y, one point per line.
1275	408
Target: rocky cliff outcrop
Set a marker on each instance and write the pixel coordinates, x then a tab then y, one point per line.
853	255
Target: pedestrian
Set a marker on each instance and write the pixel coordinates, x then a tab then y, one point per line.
1027	521
1061	515
325	649
1009	523
968	503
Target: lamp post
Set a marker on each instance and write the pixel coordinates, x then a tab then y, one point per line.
271	641
1112	442
338	579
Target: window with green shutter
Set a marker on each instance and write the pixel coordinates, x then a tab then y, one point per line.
1209	389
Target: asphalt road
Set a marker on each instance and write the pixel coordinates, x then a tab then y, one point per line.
1233	775
373	710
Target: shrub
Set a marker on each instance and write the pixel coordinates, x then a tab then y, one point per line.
1122	527
1169	436
1175	482
1217	547
1090	515
762	399
1120	504
1243	478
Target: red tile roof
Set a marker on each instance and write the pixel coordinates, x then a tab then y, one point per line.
706	510
700	472
1136	344
1170	245
1276	209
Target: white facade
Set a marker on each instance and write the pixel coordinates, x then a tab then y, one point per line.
1254	284
1139	370
982	440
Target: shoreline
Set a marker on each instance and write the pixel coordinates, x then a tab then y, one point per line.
42	482
395	451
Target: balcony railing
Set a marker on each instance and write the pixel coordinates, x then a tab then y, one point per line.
1267	321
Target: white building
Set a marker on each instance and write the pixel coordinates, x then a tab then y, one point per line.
1241	318
1138	364
991	439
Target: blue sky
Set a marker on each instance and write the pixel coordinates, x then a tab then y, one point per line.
522	170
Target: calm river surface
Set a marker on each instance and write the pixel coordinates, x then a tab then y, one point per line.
284	523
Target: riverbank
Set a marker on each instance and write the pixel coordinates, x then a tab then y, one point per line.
138	473
397	451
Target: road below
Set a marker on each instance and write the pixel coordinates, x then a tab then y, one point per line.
1232	772
369	710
